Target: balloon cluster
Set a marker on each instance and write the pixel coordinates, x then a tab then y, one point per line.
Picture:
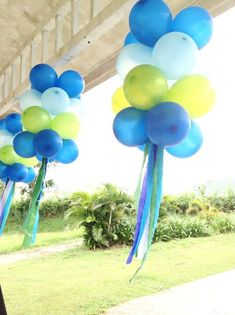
161	51
13	166
50	129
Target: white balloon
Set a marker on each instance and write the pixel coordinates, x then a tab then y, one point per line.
175	54
6	138
75	101
30	98
132	56
76	107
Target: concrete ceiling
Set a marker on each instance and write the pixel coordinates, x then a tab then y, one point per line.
21	19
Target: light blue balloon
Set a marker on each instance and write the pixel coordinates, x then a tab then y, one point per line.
130	39
132	56
196	22
30	98
55	100
175	54
190	145
2	124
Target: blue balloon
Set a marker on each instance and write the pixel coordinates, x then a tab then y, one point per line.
3	170
13	123
130	39
43	77
142	147
2	124
30	176
72	83
190	145
149	20
167	124
195	22
23	144
47	143
17	172
129	127
51	159
68	153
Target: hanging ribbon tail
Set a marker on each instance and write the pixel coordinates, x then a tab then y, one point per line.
154	208
5	203
35	228
143	204
30	225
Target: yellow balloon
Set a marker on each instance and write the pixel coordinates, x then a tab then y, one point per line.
145	86
67	125
8	155
195	93
119	101
28	162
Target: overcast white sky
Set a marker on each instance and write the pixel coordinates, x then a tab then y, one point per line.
102	159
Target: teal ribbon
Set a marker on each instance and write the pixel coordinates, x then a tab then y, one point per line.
29	225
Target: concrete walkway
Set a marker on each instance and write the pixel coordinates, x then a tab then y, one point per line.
214	295
35	253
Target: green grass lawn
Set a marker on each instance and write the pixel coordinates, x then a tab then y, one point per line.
82	282
51	231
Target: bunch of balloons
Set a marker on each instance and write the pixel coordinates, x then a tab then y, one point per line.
13	168
160	51
50	130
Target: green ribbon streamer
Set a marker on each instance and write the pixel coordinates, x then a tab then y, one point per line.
34	205
155	204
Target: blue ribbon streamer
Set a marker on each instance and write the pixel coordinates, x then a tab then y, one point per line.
6	209
145	209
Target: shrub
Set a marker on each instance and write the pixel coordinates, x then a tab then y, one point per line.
176	228
54	207
125	230
223	224
18	209
175	204
101	214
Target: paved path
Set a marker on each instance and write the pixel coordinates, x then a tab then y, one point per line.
35	253
214	295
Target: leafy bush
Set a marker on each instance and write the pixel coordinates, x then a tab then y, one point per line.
101	214
49	208
224	203
19	209
175	227
175	204
223	224
125	230
54	206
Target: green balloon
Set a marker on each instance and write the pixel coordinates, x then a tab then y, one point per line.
66	125
8	155
28	162
145	87
35	119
